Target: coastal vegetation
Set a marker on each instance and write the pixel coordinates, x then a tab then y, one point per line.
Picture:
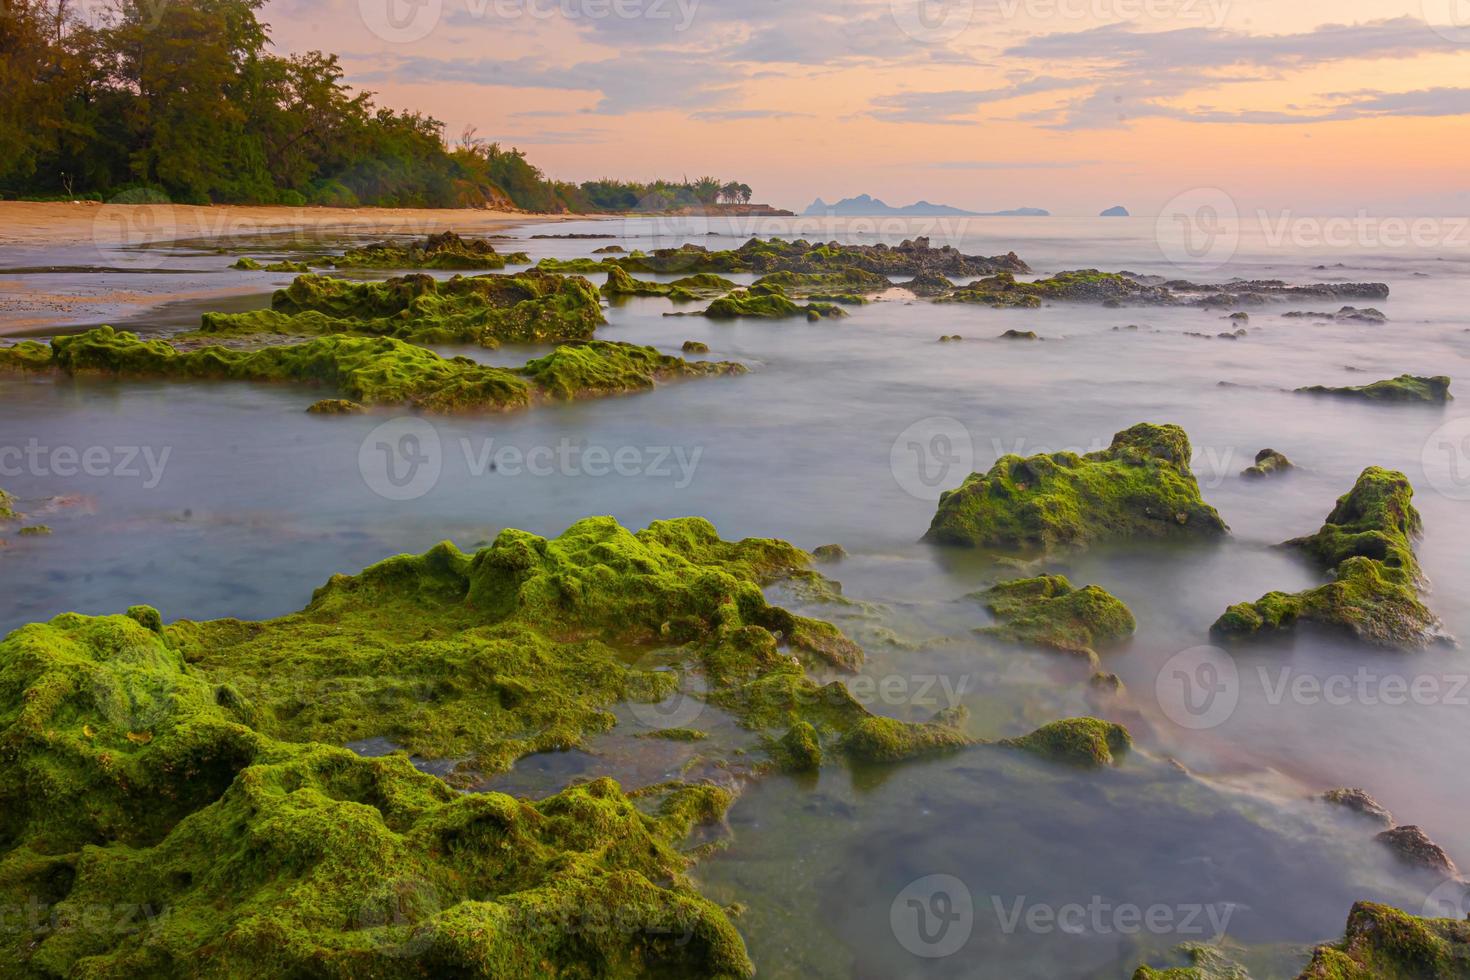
143	102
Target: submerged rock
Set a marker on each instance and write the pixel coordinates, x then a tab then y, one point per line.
380	371
1268	461
1087	742
848	283
247	264
7	506
770	303
1414	847
695	347
1384	942
684	290
928	284
1019	335
336	406
1404	388
1047	611
1140	486
531	307
829	552
799	750
1359	802
1367	543
445	250
1085	285
910	258
34	531
876	739
1348	314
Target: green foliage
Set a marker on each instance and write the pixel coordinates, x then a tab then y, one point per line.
1140	486
185	96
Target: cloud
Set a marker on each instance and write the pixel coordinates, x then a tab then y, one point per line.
735	115
950	107
1010	164
1131	74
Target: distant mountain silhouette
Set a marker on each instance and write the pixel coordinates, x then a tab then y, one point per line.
1115	212
866	206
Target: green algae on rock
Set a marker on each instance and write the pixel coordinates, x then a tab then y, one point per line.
1047	611
133	780
247	264
851	283
909	258
695	347
1085	285
335	406
34	531
7	506
768	302
1087	742
1384	943
1268	461
1140	486
799	749
1367	544
385	371
1404	388
684	290
530	307
445	250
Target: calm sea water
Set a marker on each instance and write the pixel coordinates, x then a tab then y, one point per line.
221	499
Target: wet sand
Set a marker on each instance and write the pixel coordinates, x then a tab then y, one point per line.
44	245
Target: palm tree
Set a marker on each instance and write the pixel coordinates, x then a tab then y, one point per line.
706	190
730	193
745	193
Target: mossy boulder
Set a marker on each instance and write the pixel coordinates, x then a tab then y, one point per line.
531	307
443	251
880	740
1367	544
928	284
34	531
687	289
695	347
1384	943
1019	335
385	371
1140	486
1085	285
1048	611
335	406
764	256
769	303
1404	388
247	264
1088	742
1268	462
7	506
799	750
848	282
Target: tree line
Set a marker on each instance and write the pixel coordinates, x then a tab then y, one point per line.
184	101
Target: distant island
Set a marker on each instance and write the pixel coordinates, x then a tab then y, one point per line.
1115	212
866	206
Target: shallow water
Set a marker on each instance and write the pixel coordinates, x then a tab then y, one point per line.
248	504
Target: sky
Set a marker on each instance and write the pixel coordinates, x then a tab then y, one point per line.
1299	106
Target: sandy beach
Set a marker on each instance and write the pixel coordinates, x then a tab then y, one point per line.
40	242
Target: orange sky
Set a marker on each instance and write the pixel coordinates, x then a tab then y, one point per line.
1069	105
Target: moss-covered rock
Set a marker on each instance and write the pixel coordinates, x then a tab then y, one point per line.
7	506
928	284
695	347
1384	943
763	256
1367	544
849	282
335	406
1087	742
1047	611
531	307
443	251
247	264
1085	285
1019	335
876	739
1268	461
34	531
770	303
1140	486
1404	388
684	290
384	371
799	750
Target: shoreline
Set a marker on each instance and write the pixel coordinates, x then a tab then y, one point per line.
40	242
84	223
